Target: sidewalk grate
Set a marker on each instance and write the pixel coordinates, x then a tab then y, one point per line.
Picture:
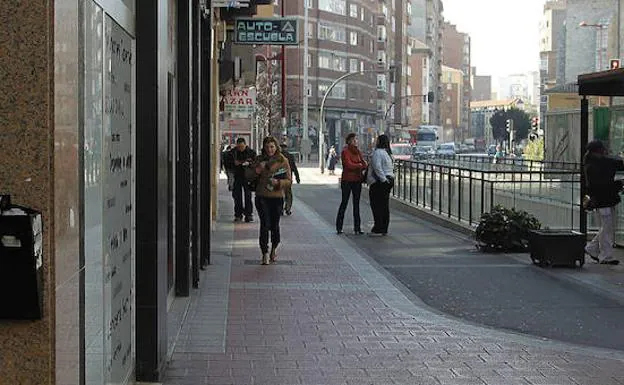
278	262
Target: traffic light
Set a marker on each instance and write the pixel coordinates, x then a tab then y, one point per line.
393	71
535	122
508	125
614	64
430	97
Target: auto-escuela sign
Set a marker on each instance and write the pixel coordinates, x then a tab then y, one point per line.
240	100
275	31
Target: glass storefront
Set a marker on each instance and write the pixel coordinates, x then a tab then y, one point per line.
108	187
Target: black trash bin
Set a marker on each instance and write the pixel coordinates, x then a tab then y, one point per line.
21	263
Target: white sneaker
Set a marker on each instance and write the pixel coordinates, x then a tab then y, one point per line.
265	258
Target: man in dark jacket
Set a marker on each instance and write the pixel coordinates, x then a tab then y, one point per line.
241	157
604	193
293	169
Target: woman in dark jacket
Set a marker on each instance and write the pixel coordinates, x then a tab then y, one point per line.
604	193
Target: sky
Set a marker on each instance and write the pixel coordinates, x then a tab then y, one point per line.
504	33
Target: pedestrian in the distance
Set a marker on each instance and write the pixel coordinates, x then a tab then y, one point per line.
332	159
241	157
288	194
380	179
353	165
604	195
273	176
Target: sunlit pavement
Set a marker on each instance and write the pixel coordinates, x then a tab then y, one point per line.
326	314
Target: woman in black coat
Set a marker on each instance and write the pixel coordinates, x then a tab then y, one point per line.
604	194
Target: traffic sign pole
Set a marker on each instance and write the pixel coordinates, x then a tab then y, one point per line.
284	130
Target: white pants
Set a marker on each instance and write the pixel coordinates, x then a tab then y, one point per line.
602	244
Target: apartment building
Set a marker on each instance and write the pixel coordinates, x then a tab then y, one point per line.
419	82
433	39
481	86
451	105
456	54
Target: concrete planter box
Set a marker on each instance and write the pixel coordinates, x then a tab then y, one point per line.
557	248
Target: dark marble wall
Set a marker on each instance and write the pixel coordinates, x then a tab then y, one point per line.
26	171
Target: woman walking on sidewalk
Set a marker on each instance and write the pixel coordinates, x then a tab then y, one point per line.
353	164
604	193
273	176
380	179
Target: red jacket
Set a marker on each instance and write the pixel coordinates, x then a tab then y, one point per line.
352	164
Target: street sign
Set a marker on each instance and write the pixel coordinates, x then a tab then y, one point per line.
239	101
273	31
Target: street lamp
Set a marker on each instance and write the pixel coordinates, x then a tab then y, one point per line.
599	45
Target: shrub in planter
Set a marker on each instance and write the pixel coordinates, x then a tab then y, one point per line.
504	229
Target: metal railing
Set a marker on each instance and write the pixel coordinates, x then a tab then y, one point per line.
463	190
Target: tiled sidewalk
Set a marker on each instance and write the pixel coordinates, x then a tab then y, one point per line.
324	314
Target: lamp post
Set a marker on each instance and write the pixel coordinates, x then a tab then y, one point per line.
599	45
321	138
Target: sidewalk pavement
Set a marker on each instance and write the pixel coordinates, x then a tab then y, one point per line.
326	314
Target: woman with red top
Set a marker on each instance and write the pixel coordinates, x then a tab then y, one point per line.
353	164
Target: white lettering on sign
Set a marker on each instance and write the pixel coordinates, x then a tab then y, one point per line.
265	36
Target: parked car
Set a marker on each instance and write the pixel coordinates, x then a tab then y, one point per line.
422	152
446	149
491	150
401	151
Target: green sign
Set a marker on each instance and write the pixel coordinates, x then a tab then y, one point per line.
274	31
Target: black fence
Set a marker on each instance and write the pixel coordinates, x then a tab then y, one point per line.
463	187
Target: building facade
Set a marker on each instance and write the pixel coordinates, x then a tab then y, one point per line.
481	86
452	104
588	48
419	82
456	54
433	32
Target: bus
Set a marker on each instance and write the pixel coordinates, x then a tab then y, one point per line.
428	135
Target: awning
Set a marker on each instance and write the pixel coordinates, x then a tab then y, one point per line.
604	83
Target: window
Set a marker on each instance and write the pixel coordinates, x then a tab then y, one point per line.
409	71
381	33
309	60
330	61
310	29
362	14
353	38
332	32
308	3
448	99
381	57
353	65
338	92
381	82
309	89
353	11
384	10
361	66
449	86
333	6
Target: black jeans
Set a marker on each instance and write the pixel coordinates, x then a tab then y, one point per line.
379	195
240	188
349	188
269	212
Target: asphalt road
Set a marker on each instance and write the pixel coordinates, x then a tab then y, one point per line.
446	272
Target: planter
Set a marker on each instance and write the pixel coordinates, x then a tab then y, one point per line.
557	247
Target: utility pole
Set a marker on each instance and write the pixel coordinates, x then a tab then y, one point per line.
284	129
305	139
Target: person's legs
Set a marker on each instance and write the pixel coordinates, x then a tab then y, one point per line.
373	198
248	210
275	209
593	247
237	194
346	191
605	235
263	215
356	188
289	200
384	209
